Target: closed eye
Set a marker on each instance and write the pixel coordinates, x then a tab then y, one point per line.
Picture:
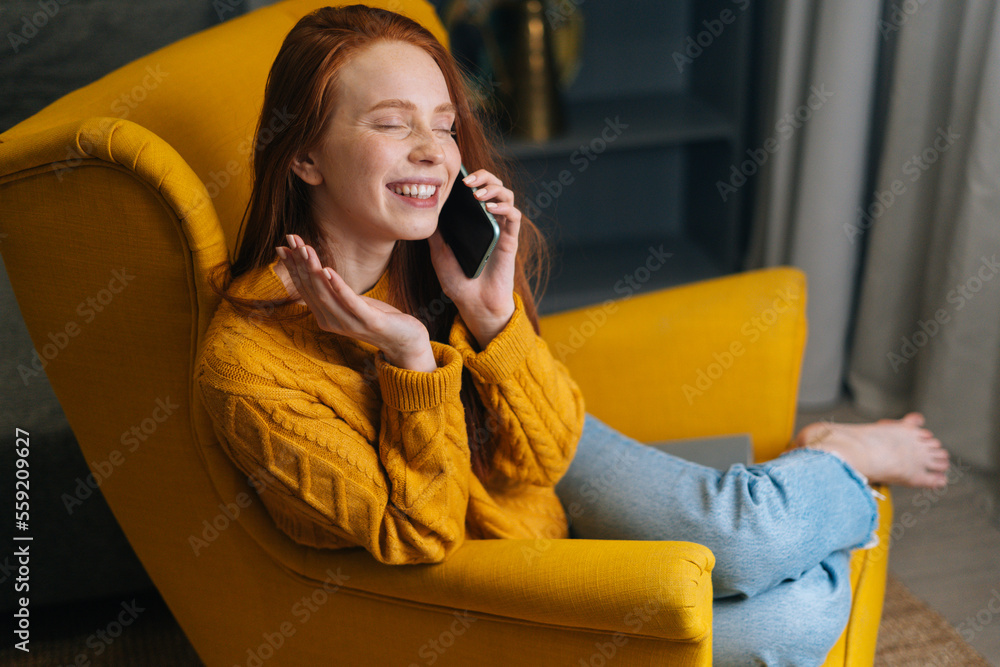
441	132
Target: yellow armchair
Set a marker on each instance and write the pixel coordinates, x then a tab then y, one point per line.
132	212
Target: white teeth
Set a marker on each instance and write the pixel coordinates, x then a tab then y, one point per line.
420	191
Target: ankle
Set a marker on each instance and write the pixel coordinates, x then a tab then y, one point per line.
846	448
815	434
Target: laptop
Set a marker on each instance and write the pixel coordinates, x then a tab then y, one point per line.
718	451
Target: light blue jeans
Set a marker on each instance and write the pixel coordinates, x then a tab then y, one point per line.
781	532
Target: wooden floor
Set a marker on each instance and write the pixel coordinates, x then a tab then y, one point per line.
946	545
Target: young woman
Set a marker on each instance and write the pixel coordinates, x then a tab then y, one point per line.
382	399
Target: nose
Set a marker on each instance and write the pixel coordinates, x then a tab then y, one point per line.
427	148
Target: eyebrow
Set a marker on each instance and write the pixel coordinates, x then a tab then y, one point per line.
410	106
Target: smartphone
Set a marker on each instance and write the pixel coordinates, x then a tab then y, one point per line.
467	227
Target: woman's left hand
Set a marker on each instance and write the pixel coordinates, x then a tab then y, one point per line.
485	303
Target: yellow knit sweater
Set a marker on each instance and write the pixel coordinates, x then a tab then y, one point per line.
350	450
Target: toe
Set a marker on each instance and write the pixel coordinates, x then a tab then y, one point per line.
914	418
938	465
936	480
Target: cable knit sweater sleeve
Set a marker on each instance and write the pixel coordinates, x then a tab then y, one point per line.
535	409
398	488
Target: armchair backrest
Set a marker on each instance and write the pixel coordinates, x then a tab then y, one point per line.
115	201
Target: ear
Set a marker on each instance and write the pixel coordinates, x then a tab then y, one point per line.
306	169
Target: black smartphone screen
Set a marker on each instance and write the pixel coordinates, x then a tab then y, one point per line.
468	228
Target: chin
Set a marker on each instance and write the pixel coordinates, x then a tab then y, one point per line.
423	231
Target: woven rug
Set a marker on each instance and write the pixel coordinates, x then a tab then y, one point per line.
914	635
911	634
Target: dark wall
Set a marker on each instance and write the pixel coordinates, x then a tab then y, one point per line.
52	47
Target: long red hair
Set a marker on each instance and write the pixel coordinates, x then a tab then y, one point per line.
303	85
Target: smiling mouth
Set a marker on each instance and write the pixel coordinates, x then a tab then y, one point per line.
414	190
428	199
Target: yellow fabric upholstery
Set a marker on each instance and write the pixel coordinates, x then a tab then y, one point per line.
633	358
657	351
131	212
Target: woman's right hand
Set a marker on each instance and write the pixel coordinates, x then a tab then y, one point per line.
402	338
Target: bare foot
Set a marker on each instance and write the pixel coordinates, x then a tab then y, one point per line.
890	451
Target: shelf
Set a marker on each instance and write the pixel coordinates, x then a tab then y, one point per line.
652	121
587	274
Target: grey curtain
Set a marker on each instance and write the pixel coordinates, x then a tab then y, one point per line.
818	83
888	197
927	335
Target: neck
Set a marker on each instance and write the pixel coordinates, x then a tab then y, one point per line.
359	264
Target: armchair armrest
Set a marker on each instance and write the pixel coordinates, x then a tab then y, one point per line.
653	589
713	357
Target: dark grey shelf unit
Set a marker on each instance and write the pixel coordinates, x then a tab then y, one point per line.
654	120
655	184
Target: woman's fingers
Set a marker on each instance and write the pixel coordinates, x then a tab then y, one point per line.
482	177
297	268
332	301
343	308
508	234
340	310
498	200
288	258
493	193
490	190
507	216
344	302
487	185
